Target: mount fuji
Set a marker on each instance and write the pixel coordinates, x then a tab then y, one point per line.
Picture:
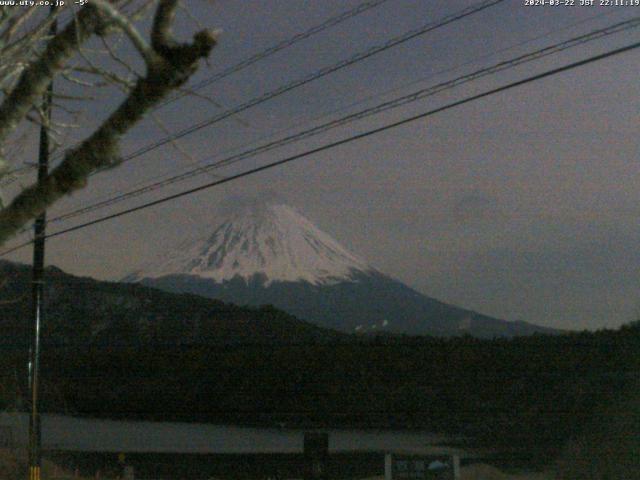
271	254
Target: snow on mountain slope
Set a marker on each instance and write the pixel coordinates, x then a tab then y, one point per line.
272	255
273	241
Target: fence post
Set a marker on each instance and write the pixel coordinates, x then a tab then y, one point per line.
129	473
388	460
316	455
456	467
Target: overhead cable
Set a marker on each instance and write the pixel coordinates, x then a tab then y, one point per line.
488	93
382	107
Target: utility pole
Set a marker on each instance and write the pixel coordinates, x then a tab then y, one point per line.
37	282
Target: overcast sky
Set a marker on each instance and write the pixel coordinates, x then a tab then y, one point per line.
523	205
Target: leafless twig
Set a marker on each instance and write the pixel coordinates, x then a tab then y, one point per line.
169	64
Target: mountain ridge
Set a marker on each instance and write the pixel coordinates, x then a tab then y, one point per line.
273	240
271	254
81	311
373	304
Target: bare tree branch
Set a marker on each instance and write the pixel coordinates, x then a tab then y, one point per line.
35	79
161	36
168	67
127	27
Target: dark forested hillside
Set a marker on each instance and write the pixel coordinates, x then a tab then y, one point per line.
149	360
533	393
82	311
371	302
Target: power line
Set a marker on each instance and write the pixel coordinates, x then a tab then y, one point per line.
414	96
363	7
426	28
393	42
385	106
344	141
170	176
330	22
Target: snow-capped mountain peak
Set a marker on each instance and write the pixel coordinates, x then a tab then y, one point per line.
274	242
